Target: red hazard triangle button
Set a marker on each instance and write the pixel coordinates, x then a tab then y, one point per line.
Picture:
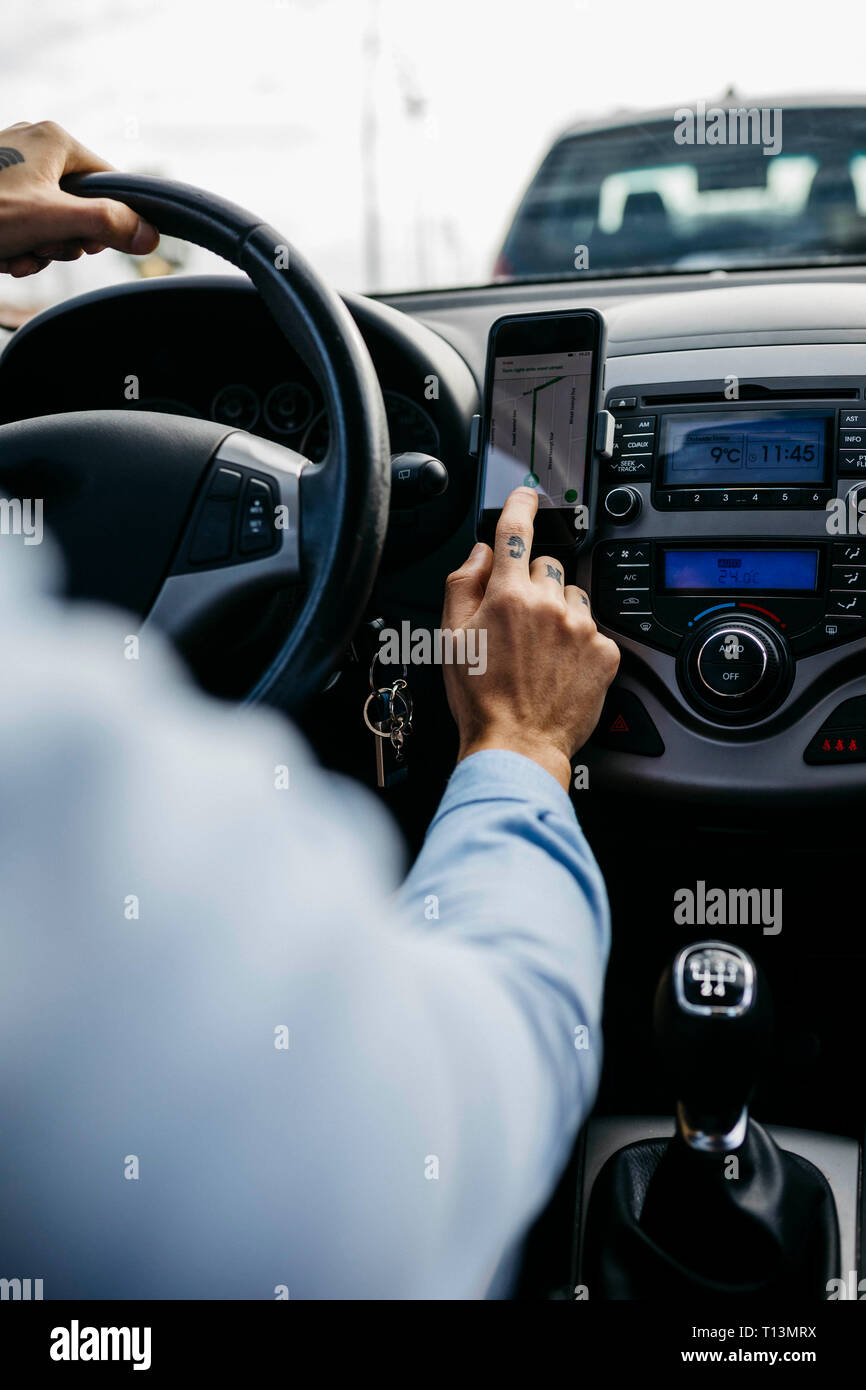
626	726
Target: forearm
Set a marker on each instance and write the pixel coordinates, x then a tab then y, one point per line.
506	872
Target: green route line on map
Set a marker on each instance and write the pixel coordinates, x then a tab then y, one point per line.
535	391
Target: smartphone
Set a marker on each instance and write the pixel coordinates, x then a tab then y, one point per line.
541	396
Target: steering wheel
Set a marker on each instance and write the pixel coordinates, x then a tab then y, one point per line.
177	518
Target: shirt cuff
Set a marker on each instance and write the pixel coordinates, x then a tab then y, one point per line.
497	774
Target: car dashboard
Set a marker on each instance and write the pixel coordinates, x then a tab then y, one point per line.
680	571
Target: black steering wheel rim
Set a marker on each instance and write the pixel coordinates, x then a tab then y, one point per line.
345	499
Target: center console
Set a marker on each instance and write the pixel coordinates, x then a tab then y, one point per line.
730	560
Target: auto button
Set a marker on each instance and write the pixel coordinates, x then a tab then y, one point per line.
732	662
738	668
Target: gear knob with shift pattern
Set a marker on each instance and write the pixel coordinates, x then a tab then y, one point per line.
713	1024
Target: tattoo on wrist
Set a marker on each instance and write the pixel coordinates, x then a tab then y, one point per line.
9	156
516	547
554	573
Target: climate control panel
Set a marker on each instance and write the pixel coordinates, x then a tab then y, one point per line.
735	614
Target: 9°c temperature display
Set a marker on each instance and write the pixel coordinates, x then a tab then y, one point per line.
728	571
744	447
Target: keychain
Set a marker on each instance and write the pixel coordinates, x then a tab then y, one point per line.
388	715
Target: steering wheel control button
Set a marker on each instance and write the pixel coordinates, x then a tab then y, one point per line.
226	483
622	504
257	518
732	662
737	670
626	726
212	540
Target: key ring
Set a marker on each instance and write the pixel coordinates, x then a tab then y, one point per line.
396	721
404	672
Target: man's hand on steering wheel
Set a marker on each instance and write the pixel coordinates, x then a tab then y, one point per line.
39	223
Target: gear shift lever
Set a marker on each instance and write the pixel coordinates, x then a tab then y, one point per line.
770	1213
713	1024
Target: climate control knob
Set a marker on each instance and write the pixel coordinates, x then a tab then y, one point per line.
735	668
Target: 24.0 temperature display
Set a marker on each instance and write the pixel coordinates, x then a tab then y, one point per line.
720	571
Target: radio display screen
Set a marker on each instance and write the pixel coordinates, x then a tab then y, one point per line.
727	571
745	448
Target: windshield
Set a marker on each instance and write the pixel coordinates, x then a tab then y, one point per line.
402	145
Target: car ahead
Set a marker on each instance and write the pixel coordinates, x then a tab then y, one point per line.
714	186
728	816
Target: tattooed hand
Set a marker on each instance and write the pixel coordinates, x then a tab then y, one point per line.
40	223
548	666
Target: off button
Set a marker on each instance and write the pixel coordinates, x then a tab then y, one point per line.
732	662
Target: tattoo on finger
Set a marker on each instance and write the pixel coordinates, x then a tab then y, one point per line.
554	573
516	547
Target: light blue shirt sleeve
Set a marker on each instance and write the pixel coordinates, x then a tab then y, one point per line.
234	1062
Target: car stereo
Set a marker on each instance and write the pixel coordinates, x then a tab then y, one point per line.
717	544
738	456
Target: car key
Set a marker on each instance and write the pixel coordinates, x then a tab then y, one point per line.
388	715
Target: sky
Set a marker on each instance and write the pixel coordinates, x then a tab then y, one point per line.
445	107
